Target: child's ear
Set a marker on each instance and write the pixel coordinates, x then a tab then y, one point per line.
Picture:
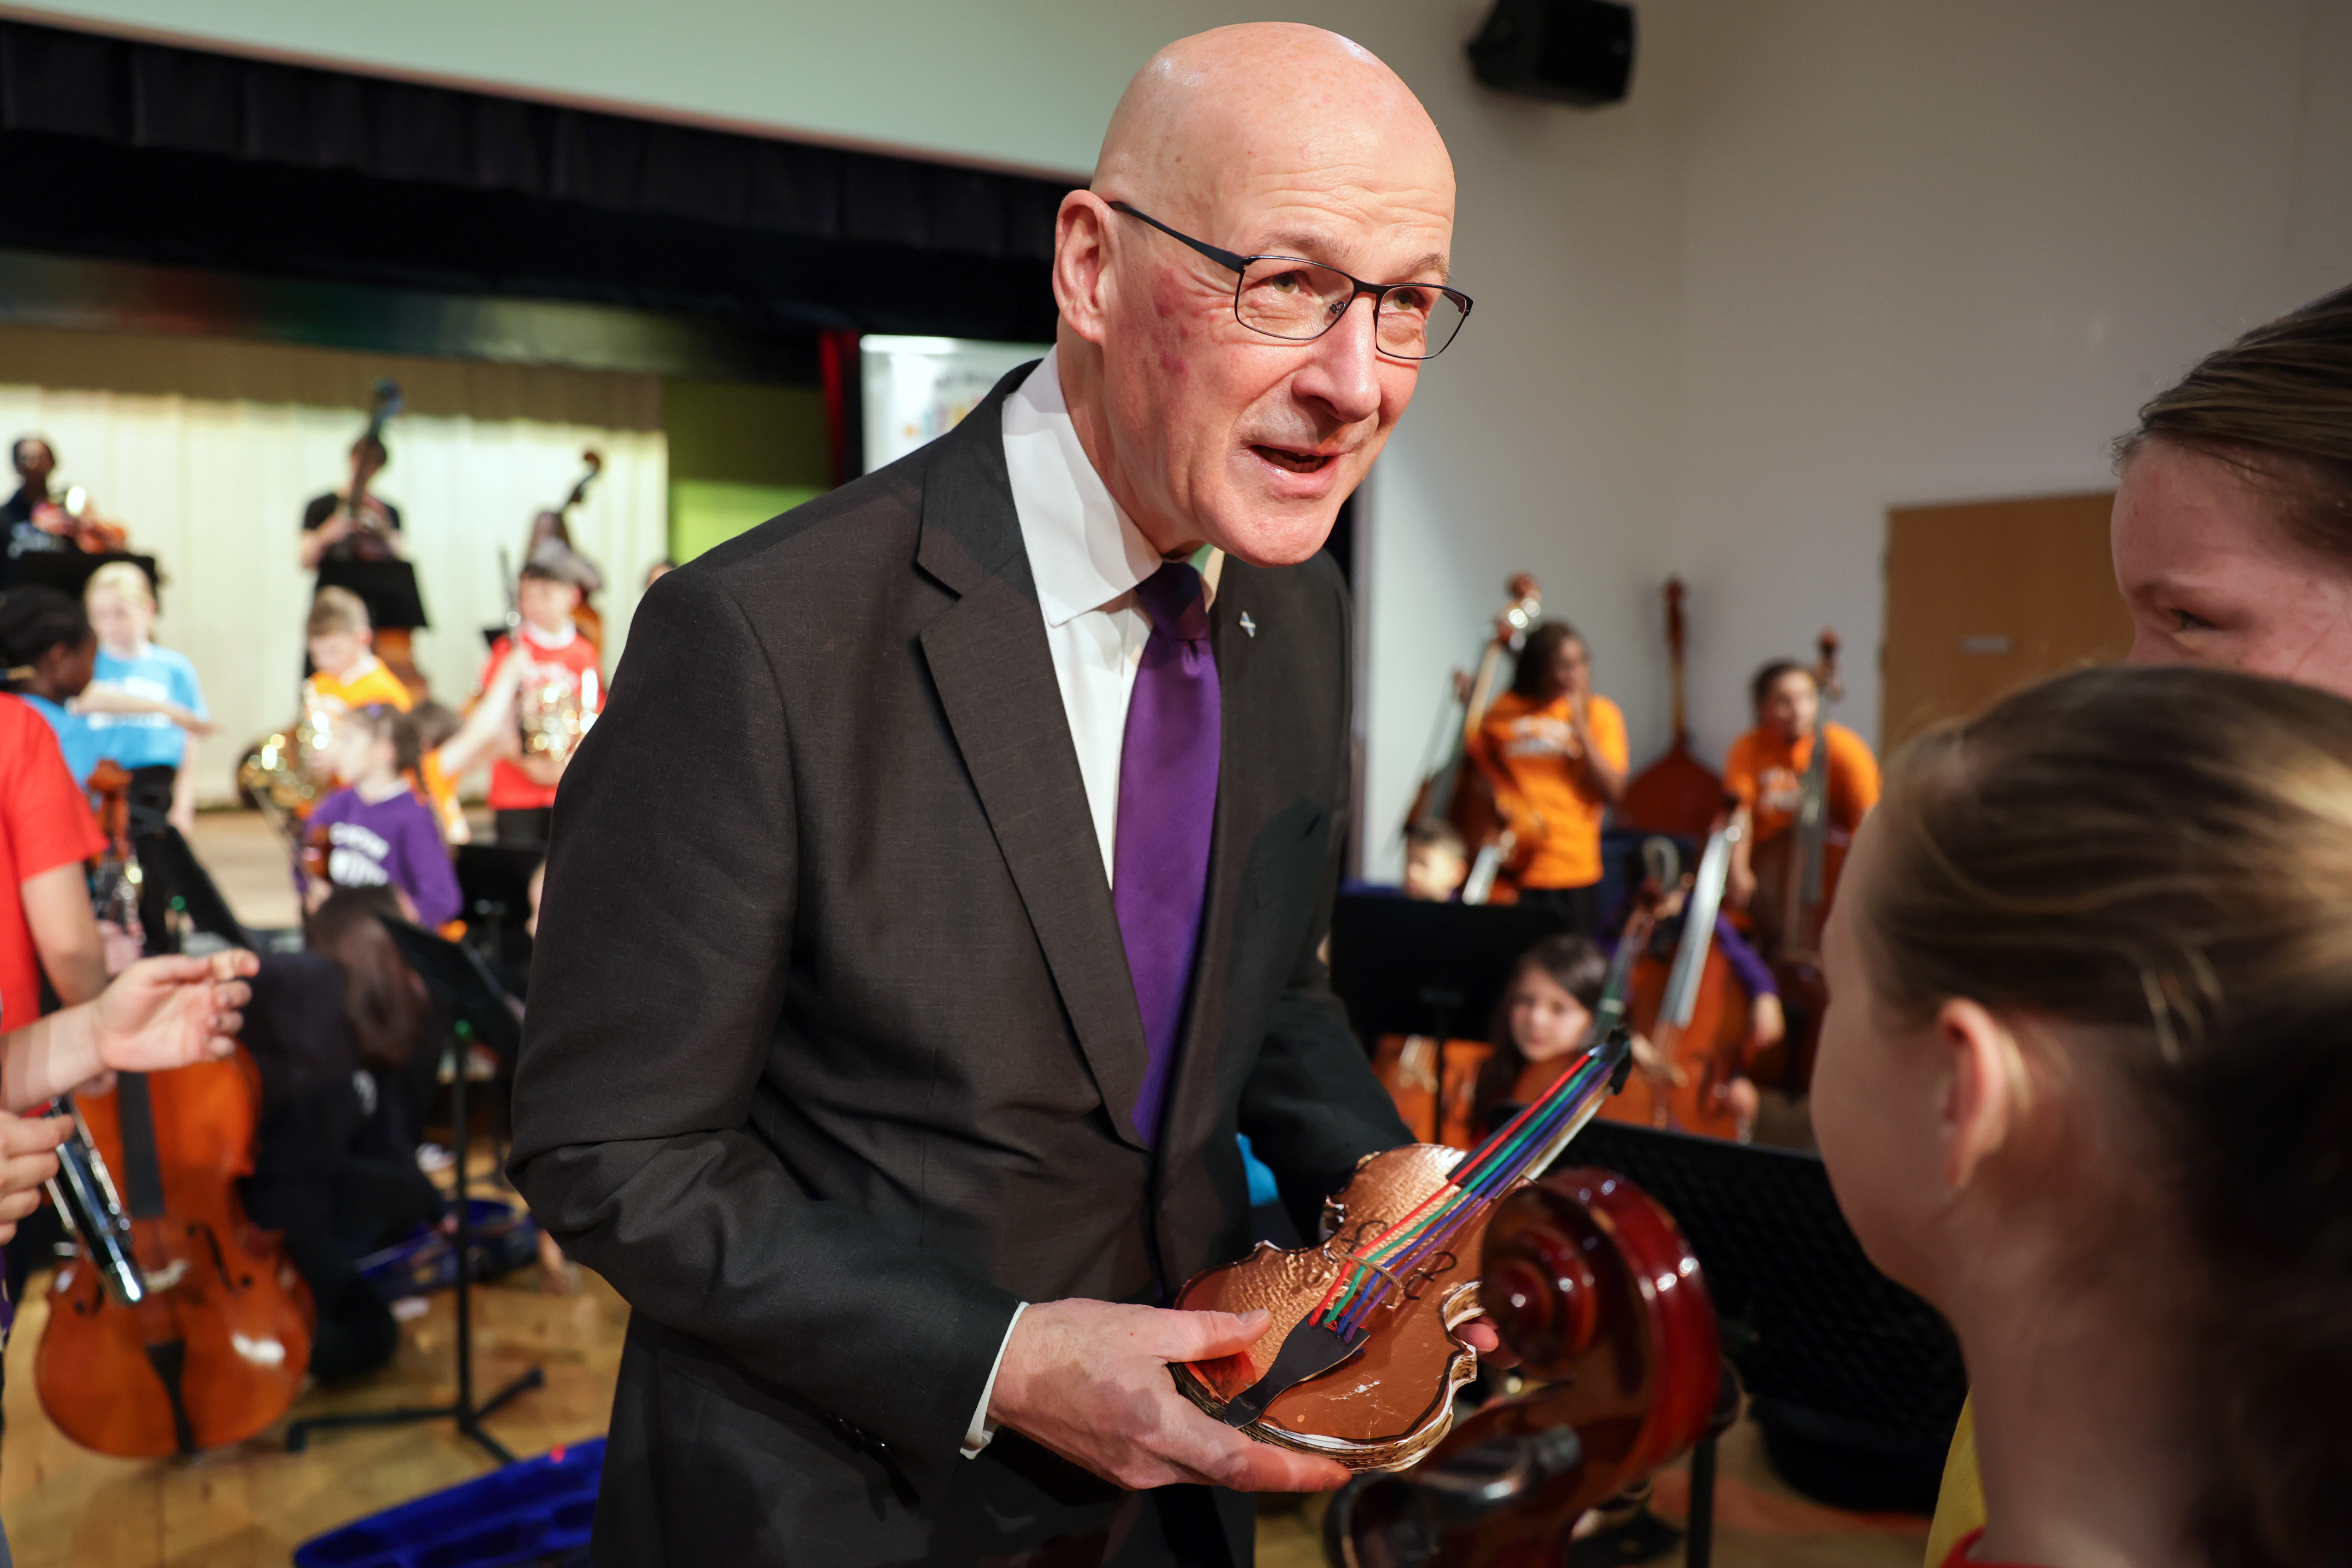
1982	1088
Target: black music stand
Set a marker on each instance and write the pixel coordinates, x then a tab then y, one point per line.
495	881
70	571
1403	966
478	1010
170	866
1830	1349
388	588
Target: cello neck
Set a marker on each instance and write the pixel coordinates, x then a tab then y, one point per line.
1675	658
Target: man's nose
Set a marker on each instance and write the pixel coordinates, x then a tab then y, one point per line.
1343	372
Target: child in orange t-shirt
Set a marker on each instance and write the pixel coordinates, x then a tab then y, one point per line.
346	675
1555	753
522	790
1766	767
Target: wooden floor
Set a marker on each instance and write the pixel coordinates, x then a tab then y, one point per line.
249	1507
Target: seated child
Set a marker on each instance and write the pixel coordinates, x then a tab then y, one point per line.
345	672
1539	1032
158	756
1433	1082
376	832
522	790
1436	862
2083	1086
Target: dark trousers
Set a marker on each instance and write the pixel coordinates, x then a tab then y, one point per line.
526	828
1579	908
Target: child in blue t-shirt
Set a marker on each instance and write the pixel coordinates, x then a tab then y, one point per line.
159	754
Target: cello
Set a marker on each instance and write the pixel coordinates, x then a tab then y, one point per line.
178	1326
1691	1011
1361	1360
1454	792
1796	876
1591	1283
1677	793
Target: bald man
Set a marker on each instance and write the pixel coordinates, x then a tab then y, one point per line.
941	891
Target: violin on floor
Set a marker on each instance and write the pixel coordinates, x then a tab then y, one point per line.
1361	1361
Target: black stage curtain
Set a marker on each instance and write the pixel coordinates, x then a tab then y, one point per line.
163	153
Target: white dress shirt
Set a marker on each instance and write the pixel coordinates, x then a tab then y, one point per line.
1086	558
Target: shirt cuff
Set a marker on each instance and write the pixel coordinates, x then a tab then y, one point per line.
979	1434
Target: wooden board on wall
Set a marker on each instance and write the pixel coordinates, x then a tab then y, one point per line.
1985	597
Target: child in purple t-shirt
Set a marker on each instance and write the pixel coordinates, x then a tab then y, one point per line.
376	832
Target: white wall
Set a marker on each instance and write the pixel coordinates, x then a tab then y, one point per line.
1941	252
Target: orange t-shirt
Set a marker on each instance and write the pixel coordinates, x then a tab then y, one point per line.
371	682
1768	774
1528	751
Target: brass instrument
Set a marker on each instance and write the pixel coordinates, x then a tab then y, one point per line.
554	714
287	771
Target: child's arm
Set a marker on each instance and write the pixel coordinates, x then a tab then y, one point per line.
431	881
183	815
161	1013
99	698
485	728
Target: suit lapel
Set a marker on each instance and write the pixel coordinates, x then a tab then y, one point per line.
995	675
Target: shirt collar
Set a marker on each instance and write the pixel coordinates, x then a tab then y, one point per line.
1084	551
550	641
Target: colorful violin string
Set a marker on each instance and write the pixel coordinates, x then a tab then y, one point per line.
1405	1245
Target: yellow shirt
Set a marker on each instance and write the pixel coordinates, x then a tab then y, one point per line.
366	684
1959	1502
1528	750
1767	775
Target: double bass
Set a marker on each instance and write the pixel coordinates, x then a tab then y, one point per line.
1677	793
1796	874
1361	1360
371	532
178	1326
1452	791
1692	1010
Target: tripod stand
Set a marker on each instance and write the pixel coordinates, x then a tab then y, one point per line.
478	1012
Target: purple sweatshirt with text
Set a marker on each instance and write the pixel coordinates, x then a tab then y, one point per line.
393	842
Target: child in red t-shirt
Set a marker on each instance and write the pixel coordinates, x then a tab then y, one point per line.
562	686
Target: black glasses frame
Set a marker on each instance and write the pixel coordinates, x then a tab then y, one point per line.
1239	265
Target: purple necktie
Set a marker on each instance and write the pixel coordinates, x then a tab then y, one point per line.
1167	810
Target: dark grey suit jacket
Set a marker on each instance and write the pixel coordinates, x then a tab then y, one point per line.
832	1042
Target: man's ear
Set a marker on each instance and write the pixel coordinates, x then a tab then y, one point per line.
1082	263
1982	1098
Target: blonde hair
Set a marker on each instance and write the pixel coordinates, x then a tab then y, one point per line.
337	610
119	577
2163	859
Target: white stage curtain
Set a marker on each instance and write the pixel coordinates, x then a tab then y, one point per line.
208	449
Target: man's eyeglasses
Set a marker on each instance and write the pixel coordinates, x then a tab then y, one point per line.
1291	298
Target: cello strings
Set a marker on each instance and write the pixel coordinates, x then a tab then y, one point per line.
1468	1192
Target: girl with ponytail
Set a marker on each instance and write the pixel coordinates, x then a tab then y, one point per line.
2086	1084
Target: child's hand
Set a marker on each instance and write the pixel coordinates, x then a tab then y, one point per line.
165	1013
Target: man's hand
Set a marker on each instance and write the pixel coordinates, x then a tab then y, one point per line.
165	1013
1089	1380
27	1158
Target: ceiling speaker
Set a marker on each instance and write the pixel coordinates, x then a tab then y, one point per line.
1573	51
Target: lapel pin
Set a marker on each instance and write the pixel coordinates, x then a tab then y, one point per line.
1247	624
